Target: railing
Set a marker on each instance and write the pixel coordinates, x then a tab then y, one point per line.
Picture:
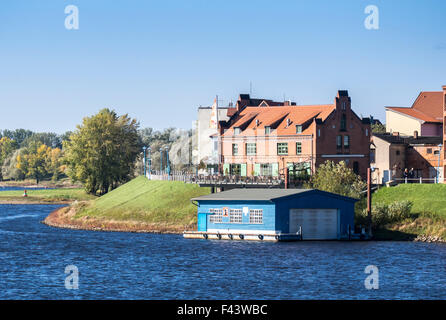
215	179
415	180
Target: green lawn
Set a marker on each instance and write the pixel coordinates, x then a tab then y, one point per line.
147	201
428	211
48	195
427	199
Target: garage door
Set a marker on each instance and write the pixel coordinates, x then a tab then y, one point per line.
317	224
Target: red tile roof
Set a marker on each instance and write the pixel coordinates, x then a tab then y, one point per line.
427	107
259	117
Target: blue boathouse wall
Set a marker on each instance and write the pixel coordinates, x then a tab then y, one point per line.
269	215
316	199
276	213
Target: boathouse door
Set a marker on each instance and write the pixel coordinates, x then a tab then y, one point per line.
317	224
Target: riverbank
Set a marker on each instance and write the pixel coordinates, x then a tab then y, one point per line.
44	196
137	206
30	183
164	207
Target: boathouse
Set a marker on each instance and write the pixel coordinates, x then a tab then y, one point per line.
274	214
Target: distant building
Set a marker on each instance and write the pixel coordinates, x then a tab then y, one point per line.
263	137
425	116
207	135
274	215
391	154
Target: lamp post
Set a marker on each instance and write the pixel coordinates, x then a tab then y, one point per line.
144	148
167	163
149	149
438	169
161	161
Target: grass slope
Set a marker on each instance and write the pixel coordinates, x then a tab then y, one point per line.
141	200
428	210
427	199
49	195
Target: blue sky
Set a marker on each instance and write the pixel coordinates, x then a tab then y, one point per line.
160	60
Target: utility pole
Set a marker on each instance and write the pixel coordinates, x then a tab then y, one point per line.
438	170
369	200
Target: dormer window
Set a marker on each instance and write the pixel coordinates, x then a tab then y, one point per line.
298	128
237	131
267	130
288	122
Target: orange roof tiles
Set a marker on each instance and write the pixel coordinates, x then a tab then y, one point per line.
259	117
427	107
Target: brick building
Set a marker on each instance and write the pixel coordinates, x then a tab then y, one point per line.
262	137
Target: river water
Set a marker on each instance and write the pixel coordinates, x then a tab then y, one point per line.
113	265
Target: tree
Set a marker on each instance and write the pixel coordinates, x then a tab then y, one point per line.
34	161
101	152
9	168
7	146
378	128
18	135
337	178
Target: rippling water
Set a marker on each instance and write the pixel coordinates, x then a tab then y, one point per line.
33	258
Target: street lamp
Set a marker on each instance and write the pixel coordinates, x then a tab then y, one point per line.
167	163
149	149
161	161
144	148
438	169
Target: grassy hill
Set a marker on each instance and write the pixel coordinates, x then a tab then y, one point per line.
148	201
428	199
428	210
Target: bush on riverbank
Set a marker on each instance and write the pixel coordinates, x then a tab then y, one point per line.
383	214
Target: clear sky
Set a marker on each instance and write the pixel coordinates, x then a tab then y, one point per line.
160	60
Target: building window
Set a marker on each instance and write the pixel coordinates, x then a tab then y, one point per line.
397	152
216	216
318	132
282	148
437	152
251	149
235	169
234	149
339	142
235	216
343	122
429	150
267	130
215	145
236	131
346	141
256	216
266	169
298	128
366	132
298	147
343	106
372	155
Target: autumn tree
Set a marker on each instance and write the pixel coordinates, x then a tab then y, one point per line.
101	152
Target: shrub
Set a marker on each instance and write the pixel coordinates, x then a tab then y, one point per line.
383	214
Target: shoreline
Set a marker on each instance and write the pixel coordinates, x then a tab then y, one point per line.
63	218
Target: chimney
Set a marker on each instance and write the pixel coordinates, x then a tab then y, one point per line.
415	134
444	98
